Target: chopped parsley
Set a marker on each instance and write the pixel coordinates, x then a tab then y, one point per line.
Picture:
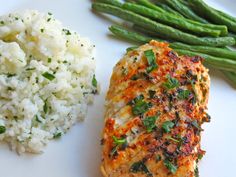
158	158
49	13
195	124
151	59
42	30
135	77
183	94
48	20
118	141
94	81
48	76
57	135
174	139
194	99
139	106
150	123
199	157
10	75
45	107
2	129
171	83
151	93
2	22
131	48
171	167
136	99
140	167
166	126
37	119
49	60
67	32
196	172
30	69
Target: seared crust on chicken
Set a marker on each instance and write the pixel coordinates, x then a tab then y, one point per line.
155	107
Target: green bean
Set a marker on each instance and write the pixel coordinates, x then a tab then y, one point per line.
123	33
222	28
112	2
131	48
218	63
232	35
171	20
231	76
169	9
218	52
213	15
150	5
184	10
226	15
162	29
150	33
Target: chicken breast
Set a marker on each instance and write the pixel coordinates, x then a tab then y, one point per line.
155	107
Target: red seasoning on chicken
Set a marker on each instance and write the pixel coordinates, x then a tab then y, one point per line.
155	107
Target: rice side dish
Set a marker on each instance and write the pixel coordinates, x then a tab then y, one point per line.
46	79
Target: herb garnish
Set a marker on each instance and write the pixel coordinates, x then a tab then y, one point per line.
10	75
171	82
57	135
94	81
150	123
30	69
141	107
158	158
151	59
195	124
42	30
45	107
67	32
2	129
49	60
183	94
135	77
136	99
151	93
131	48
174	139
199	157
140	167
48	76
194	99
196	172
37	119
171	167
118	142
166	126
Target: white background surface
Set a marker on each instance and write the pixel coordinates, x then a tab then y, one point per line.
77	154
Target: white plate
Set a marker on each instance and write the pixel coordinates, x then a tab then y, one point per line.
77	154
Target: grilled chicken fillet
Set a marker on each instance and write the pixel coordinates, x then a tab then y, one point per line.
155	107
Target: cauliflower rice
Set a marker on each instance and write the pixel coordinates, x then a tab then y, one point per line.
46	79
